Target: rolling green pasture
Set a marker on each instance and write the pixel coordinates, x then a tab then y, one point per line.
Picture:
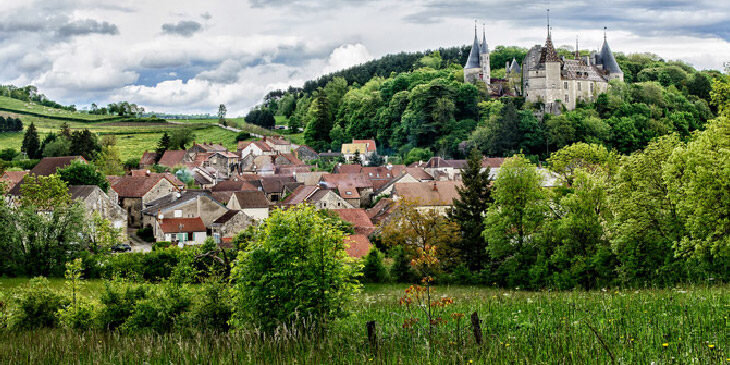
24	106
687	325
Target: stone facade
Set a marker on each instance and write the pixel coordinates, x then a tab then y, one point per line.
96	201
230	226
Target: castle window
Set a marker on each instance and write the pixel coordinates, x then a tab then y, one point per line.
579	86
592	87
565	85
567	99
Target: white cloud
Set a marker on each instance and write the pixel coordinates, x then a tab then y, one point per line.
346	56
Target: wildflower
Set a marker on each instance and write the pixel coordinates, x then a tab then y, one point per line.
665	344
711	346
472	361
370	359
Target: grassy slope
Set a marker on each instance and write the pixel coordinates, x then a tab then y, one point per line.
519	327
19	105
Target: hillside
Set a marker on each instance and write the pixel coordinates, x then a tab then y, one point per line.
134	136
416	107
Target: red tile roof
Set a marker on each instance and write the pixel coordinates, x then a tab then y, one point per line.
170	176
172	158
381	210
299	195
368	142
493	162
293	159
148	159
210	147
180	225
263	146
419	173
428	193
358	245
135	187
347	184
233	185
49	165
348	169
13	177
359	219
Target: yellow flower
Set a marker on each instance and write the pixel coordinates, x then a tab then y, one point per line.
711	346
665	344
370	359
472	361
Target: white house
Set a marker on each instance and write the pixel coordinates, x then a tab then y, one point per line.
189	231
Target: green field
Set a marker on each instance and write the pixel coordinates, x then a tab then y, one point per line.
10	104
688	325
132	138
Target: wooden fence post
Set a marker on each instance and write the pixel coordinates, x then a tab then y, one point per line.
476	328
372	337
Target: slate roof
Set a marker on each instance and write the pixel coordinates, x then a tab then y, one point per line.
380	210
358	245
172	158
226	216
82	191
484	48
548	53
429	193
609	62
473	60
180	225
49	165
251	199
172	200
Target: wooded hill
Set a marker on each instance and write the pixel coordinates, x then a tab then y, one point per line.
417	105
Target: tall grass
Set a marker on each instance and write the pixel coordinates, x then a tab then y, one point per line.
690	325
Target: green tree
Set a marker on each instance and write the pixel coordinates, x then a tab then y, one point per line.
373	270
515	220
222	113
295	268
590	157
84	143
317	132
57	147
475	196
163	145
181	137
31	143
44	192
82	173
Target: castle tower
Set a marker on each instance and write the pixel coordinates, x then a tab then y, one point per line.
607	60
472	69
484	58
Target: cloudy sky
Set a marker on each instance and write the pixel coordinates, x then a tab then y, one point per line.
188	56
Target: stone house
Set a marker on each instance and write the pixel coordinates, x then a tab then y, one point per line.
306	153
314	195
95	200
230	224
356	189
188	204
189	231
172	158
136	192
280	145
252	203
254	148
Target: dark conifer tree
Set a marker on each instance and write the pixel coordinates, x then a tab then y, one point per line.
475	196
162	145
31	143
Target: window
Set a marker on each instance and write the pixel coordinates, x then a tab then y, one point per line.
565	85
178	213
579	86
567	99
217	237
348	193
592	87
182	237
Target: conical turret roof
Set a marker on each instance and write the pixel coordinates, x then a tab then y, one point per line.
548	53
473	60
515	67
609	62
484	49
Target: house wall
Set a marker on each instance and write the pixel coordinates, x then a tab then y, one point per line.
199	237
235	225
332	201
258	214
107	209
133	208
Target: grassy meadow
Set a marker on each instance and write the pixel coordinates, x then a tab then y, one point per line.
30	107
687	325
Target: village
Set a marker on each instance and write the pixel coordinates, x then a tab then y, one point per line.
231	191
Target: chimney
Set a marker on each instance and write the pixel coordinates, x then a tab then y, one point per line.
389	166
329	151
435	188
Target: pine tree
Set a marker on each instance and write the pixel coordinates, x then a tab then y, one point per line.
318	129
474	199
162	145
31	143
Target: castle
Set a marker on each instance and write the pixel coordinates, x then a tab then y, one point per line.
544	77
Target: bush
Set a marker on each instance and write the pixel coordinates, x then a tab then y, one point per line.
401	270
160	311
295	268
131	163
243	136
374	271
146	234
214	309
159	265
79	316
117	303
37	306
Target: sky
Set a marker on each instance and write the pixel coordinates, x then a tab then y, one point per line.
189	56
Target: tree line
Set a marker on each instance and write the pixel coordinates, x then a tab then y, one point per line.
30	93
10	124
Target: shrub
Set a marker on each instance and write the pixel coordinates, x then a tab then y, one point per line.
401	270
117	302
160	311
128	265
374	271
296	267
159	265
214	309
243	136
37	306
79	316
146	234
131	163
